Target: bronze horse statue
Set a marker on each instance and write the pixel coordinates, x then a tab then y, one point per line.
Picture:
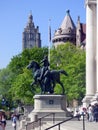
49	80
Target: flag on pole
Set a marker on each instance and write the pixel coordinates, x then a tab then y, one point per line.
49	40
49	33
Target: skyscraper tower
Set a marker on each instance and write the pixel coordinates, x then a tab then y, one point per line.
31	36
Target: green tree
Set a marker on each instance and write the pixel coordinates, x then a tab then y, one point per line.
72	60
20	86
16	79
5	84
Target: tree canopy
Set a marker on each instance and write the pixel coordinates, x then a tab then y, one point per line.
72	60
16	79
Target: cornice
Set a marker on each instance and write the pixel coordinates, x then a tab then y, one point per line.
90	2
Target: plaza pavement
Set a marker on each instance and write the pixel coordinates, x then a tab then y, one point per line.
77	125
70	125
9	125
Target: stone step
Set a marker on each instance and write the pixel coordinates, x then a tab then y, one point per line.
75	125
70	125
49	124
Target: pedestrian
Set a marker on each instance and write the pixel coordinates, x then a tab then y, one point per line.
96	112
14	121
1	126
3	121
78	115
90	113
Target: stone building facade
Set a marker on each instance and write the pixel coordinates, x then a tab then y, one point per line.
31	36
69	32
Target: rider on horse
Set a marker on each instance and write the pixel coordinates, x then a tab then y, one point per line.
45	66
49	77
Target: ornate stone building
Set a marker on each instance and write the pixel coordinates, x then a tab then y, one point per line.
80	34
31	36
69	32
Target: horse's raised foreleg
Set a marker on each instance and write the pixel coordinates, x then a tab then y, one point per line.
32	85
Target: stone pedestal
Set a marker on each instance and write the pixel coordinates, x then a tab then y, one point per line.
45	104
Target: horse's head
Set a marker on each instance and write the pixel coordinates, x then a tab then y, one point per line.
33	64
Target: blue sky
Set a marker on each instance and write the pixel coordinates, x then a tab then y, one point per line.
14	17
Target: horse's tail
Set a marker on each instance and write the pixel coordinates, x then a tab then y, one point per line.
63	72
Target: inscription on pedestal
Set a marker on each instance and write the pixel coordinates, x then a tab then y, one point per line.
51	102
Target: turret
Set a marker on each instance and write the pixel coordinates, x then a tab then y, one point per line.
66	32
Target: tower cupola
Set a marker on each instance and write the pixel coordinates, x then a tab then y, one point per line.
66	32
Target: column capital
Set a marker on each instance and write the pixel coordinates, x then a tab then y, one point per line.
90	2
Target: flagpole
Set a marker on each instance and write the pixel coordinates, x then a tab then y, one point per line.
49	40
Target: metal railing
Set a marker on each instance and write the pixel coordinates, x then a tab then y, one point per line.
59	124
38	122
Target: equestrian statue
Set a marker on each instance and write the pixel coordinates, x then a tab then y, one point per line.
45	77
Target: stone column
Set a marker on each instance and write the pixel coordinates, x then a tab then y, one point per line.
97	51
90	51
